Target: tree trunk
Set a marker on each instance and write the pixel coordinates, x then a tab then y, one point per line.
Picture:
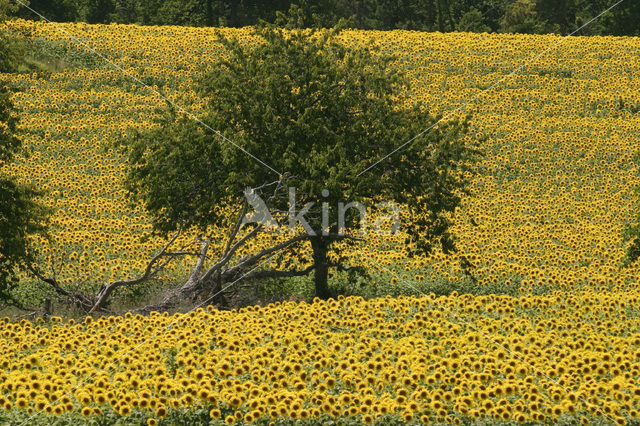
217	293
441	16
209	13
321	271
233	14
46	309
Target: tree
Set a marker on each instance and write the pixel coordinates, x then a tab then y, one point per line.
558	16
8	49
57	11
181	12
7	7
20	216
445	20
303	104
521	17
631	234
472	21
623	20
96	11
525	16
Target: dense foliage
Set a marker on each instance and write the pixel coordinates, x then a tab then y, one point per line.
8	50
531	16
306	106
20	215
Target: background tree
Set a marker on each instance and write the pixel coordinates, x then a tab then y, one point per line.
57	10
320	113
95	11
631	234
8	49
20	215
521	17
558	16
531	16
624	20
7	8
472	21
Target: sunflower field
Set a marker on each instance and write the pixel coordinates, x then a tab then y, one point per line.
560	120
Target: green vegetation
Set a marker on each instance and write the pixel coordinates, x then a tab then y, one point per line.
200	416
337	108
20	215
530	16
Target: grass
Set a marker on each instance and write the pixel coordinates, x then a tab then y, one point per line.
47	57
200	416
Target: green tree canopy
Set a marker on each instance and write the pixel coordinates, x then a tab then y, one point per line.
8	50
305	106
558	16
20	215
521	17
472	21
631	235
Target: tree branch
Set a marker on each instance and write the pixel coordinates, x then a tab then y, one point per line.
106	289
193	280
250	260
225	259
236	227
51	281
80	300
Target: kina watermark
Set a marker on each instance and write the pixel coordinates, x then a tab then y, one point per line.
325	219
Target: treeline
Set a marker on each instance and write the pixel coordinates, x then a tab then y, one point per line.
522	16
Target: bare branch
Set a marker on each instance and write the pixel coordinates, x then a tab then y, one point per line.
225	259
337	236
79	299
250	260
236	227
180	253
194	280
51	281
106	289
30	315
266	185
